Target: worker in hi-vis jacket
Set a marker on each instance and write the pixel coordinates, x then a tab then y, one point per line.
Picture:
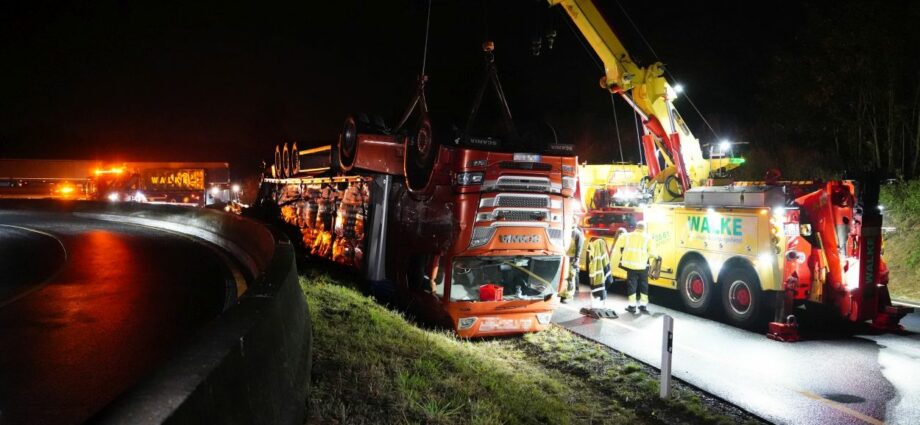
638	249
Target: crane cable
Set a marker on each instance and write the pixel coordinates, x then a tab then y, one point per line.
427	27
616	124
666	70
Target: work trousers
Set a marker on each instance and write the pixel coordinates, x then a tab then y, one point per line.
637	286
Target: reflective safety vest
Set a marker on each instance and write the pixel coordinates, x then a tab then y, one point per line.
599	264
637	248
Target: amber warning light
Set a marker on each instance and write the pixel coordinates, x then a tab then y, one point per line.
100	171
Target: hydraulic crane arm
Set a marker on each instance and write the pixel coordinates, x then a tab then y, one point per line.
647	91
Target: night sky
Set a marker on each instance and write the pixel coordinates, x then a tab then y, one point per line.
156	81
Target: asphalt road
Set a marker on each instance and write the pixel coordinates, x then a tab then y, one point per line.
840	375
89	307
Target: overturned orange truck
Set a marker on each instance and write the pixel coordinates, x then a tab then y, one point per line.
472	235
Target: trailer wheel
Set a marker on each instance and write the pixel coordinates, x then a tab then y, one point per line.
421	152
742	298
348	143
295	159
285	161
276	167
696	288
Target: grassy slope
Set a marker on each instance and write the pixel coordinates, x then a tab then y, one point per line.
902	245
372	366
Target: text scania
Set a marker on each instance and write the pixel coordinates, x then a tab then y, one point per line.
728	226
520	238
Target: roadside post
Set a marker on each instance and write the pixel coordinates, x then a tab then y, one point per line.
667	343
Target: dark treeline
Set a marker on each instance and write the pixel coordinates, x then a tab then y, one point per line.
844	95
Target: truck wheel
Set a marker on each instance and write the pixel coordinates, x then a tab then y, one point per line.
276	167
285	161
295	159
348	143
742	297
421	152
696	287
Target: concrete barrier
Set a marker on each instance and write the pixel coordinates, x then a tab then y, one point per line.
252	363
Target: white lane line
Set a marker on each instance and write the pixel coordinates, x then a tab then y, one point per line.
45	282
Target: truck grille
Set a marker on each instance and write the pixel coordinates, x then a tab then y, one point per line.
523	201
540	166
521	215
530	184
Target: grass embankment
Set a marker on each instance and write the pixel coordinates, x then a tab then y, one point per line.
902	245
371	365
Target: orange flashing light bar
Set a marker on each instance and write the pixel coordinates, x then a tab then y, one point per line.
116	170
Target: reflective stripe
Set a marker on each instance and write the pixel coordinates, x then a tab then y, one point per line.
637	248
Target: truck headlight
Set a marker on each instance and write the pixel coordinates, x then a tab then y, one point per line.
544	318
568	183
466	323
567	168
113	197
468	179
481	236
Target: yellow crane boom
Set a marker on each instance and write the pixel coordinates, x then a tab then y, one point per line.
649	94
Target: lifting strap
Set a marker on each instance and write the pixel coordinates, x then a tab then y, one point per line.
490	78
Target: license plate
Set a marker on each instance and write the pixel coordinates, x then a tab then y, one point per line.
526	157
791	229
490	324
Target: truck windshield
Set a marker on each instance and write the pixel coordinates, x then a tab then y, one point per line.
520	278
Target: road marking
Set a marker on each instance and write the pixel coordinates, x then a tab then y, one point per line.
45	282
837	406
706	355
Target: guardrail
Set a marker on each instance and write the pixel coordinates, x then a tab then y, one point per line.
252	363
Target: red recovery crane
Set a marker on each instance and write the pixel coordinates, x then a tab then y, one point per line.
754	247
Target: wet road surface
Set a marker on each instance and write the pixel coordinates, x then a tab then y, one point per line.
90	307
835	377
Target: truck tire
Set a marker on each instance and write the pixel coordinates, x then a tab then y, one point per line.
696	288
742	298
421	151
295	160
348	143
276	167
285	161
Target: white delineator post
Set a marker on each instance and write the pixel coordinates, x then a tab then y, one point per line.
667	343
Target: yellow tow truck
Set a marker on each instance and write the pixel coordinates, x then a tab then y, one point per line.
757	249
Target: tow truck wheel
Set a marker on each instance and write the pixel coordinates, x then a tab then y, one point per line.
421	152
696	288
742	298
